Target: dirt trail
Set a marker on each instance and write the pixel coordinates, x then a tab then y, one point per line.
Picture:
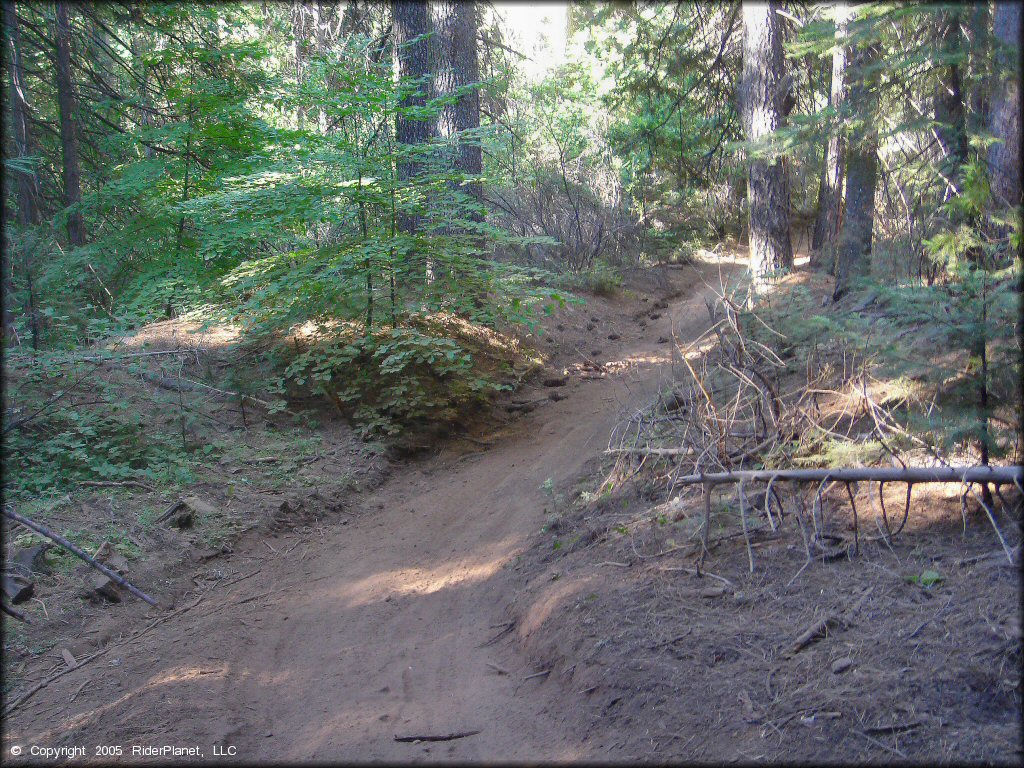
377	627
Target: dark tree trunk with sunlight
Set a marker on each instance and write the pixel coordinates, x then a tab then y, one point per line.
411	22
762	93
950	115
854	248
1004	157
68	128
833	164
457	68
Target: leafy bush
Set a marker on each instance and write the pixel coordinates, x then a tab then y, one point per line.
393	379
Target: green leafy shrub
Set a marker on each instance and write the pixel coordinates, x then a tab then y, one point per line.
393	379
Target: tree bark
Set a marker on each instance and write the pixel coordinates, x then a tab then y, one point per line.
1004	157
410	22
978	49
458	68
833	163
68	131
27	188
950	115
854	248
763	91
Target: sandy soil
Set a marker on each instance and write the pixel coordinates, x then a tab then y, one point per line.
326	644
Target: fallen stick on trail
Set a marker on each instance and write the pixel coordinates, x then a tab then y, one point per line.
445	737
56	537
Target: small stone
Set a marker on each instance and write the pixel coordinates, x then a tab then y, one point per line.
594	320
841	665
663	340
614	336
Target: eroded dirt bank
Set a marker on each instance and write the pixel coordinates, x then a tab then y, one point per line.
326	645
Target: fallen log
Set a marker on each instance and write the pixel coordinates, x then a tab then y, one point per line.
993	475
81	554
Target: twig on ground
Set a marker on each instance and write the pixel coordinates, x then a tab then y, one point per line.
445	737
117	483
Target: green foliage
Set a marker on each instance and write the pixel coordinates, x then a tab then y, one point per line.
927	578
66	424
392	379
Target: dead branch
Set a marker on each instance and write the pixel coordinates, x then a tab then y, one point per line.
78	552
445	737
980	474
14	613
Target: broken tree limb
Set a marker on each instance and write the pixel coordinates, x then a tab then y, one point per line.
445	737
982	474
821	627
78	552
818	629
14	613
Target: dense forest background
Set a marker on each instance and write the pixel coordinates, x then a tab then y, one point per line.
384	176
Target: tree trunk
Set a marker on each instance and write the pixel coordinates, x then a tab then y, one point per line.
458	68
300	38
977	63
854	248
830	193
28	212
410	25
1004	157
411	20
140	46
68	131
950	115
763	91
27	191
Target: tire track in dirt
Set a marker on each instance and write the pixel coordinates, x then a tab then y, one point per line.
382	628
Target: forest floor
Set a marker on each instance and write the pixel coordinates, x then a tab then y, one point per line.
481	591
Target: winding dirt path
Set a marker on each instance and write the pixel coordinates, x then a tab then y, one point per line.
379	626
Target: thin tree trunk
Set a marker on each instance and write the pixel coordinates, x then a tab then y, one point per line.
950	115
833	163
977	64
854	248
140	47
300	35
27	189
1004	157
763	91
68	130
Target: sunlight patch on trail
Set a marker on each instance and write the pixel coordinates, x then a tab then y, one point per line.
415	581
